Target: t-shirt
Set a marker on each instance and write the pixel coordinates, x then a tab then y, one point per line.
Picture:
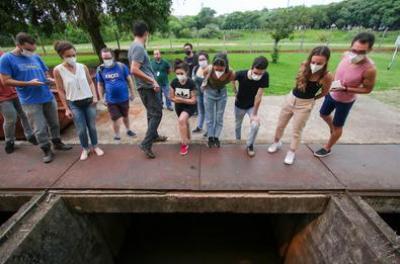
183	90
161	70
138	54
248	89
192	61
23	68
114	81
6	92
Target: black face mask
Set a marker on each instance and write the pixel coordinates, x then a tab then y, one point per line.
187	52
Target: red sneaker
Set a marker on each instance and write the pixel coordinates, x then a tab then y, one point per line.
184	149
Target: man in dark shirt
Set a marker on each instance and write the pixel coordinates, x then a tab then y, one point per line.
191	58
248	98
161	69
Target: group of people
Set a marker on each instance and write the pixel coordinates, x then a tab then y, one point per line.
198	89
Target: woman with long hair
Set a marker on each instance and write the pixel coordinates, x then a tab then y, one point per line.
313	82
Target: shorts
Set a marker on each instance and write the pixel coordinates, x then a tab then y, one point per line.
190	109
341	110
118	110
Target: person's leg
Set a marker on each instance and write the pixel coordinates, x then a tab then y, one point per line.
339	119
24	122
9	113
254	127
328	106
220	110
284	117
200	110
154	113
239	115
165	91
116	129
51	113
209	107
183	124
79	118
301	114
90	116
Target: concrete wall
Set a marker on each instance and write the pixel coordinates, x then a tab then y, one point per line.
52	234
349	231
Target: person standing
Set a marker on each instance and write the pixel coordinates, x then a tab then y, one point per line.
191	58
355	74
215	96
183	94
78	95
147	86
26	71
198	78
248	99
10	108
162	68
312	83
114	80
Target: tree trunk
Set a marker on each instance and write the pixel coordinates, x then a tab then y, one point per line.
89	17
275	51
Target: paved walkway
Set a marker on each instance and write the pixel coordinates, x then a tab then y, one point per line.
370	121
124	167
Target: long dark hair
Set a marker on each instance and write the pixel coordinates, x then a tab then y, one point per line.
221	59
180	64
304	75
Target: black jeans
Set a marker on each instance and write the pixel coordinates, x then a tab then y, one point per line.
153	106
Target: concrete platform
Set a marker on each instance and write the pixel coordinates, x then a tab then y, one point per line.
124	167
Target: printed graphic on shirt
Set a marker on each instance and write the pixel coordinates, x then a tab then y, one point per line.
182	92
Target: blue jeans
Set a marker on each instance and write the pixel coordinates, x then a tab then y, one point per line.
214	105
164	90
85	121
254	125
200	109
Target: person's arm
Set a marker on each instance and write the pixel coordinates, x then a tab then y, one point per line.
131	85
61	92
8	81
232	77
234	86
100	88
257	101
326	85
138	73
367	85
91	85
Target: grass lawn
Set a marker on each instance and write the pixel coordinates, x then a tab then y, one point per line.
282	74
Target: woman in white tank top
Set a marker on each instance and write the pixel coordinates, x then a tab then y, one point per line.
78	96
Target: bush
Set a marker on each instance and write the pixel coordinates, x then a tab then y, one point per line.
210	31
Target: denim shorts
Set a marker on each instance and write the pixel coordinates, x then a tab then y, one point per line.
341	110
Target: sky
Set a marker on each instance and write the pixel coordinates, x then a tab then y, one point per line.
192	7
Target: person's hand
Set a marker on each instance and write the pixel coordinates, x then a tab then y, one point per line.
94	101
254	118
103	101
50	81
131	98
156	86
69	114
35	82
337	86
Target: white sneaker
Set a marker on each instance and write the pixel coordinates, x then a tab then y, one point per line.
275	147
289	159
98	151
84	154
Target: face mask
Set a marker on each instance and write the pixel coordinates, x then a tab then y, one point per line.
181	77
70	60
108	63
219	74
26	53
203	63
356	58
256	77
315	67
187	52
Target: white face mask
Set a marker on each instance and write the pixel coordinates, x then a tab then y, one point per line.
356	58
315	67
70	60
203	63
255	77
26	53
181	78
108	62
219	74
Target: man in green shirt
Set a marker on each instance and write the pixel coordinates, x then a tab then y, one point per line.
161	69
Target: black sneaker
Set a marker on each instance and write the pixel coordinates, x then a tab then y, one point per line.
322	153
210	142
197	130
130	133
250	151
9	148
160	139
149	154
205	134
217	143
48	154
59	145
32	140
